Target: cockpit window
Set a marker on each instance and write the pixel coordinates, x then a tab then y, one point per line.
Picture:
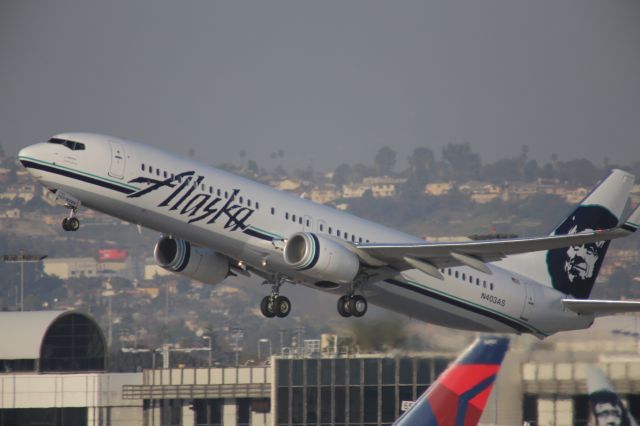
74	146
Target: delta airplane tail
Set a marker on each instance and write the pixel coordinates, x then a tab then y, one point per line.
459	395
573	270
606	406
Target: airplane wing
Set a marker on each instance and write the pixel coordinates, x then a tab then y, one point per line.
601	307
428	257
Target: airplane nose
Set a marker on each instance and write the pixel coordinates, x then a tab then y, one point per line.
28	158
25	153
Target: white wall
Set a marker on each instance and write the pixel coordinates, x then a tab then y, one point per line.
67	390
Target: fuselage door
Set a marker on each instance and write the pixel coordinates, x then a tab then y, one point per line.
116	168
531	294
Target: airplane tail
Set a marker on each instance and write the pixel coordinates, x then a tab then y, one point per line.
460	393
573	270
606	406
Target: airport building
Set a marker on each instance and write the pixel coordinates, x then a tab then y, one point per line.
54	372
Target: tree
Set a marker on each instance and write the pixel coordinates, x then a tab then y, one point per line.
464	163
385	160
252	168
420	161
341	175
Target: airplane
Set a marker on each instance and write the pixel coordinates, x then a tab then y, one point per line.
460	393
606	406
214	224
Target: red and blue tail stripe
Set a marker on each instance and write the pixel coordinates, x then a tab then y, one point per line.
459	395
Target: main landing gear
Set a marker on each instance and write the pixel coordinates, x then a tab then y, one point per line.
275	305
352	305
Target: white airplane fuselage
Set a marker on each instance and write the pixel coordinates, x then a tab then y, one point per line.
248	219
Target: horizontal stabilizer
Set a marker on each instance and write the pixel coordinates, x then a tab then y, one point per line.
601	307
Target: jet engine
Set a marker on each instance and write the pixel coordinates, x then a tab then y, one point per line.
321	258
198	263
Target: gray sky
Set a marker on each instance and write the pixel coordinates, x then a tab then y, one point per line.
327	81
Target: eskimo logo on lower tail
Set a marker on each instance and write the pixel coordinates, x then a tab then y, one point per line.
573	270
608	409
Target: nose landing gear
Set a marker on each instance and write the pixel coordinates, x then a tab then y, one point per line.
71	223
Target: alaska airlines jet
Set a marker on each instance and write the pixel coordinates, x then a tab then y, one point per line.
607	407
460	393
215	224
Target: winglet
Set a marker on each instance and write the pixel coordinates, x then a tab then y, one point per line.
460	394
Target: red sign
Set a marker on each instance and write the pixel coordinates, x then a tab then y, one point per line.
112	255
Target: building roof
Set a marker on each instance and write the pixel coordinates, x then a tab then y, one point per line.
22	333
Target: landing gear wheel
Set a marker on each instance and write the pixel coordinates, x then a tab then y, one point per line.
267	307
73	223
70	224
357	305
282	306
343	307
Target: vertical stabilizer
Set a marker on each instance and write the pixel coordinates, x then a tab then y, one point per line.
460	393
606	406
573	270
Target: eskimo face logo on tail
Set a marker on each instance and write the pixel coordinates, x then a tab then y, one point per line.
196	206
573	270
608	410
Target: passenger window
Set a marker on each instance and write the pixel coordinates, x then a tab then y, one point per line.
330	231
257	205
477	281
346	236
464	277
484	284
210	190
286	215
248	202
150	169
241	200
491	286
300	220
293	217
470	279
218	192
226	194
338	232
321	228
353	238
142	167
308	222
273	211
456	274
165	174
157	172
449	271
360	240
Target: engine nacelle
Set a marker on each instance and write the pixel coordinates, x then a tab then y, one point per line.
198	263
321	258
